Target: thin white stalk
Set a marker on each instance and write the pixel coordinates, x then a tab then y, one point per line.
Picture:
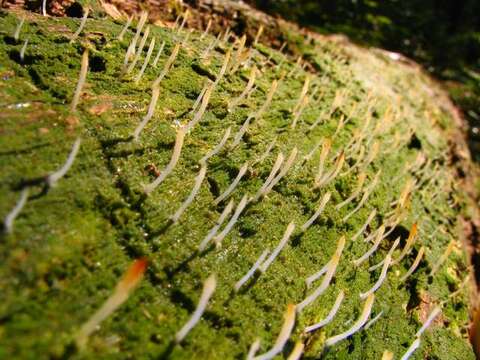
218	147
414	265
12	215
146	61
159	53
288	232
238	211
266	104
435	312
201	110
251	271
408	245
364	227
332	267
81	81
251	81
318	274
317	213
233	185
442	258
125	28
373	321
367	308
275	168
253	349
364	198
44	7
309	156
297	351
356	192
390	252
330	316
22	50
223	68
303	93
333	174
82	25
16	34
206	29
209	48
299	112
285	332
283	171
213	231
257	36
415	345
53	178
380	280
184	20
149	115
200	97
266	153
167	65
171	165
140	50
207	292
372	249
196	187
243	129
237	57
326	146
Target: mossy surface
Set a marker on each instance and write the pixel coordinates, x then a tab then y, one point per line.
71	244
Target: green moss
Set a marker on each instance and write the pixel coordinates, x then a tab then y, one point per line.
71	245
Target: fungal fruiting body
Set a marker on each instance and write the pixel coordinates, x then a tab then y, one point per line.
288	232
203	106
149	115
297	351
435	312
251	81
380	280
271	176
233	185
171	165
207	292
410	241
139	51
373	248
167	66
443	258
53	178
16	34
226	211
218	147
414	346
238	211
22	50
146	61
129	281
415	264
362	320
283	171
365	225
330	316
159	53
317	213
125	27
285	332
81	80
253	349
133	43
326	146
82	25
196	187
251	271
12	215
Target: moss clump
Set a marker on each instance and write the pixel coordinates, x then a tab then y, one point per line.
71	244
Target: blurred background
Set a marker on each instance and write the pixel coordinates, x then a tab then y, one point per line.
442	35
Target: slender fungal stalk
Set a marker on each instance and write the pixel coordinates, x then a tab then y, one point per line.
443	258
330	316
167	66
22	50
251	81
414	265
283	171
53	178
410	241
44	7
139	51
203	106
429	321
207	292
149	115
288	232
159	53
193	193
226	211
206	29
16	34
380	280
297	351
12	215
125	28
364	227
238	136
252	270
129	281
82	25
367	308
171	165
233	185
285	332
271	176
133	44
415	345
253	349
81	81
238	211
218	147
146	61
373	248
317	213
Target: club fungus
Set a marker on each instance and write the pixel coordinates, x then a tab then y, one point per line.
159	53
12	215
146	61
82	25
323	270
133	44
209	24
288	232
185	16
44	7
266	152
139	51
171	165
328	177
443	258
16	34
299	112
373	248
22	50
149	115
81	80
200	96
251	81
266	104
223	69
237	57
317	213
233	185
53	178
226	211
326	146
257	37
217	148
207	292
303	94
125	28
410	241
330	316
251	271
238	211
414	346
239	135
213	43
414	265
297	351
365	225
253	349
196	187
275	168
122	291
380	280
361	180
283	336
167	66
390	252
283	171
329	273
365	196
203	106
367	308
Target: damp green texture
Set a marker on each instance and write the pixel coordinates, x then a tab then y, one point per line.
71	244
